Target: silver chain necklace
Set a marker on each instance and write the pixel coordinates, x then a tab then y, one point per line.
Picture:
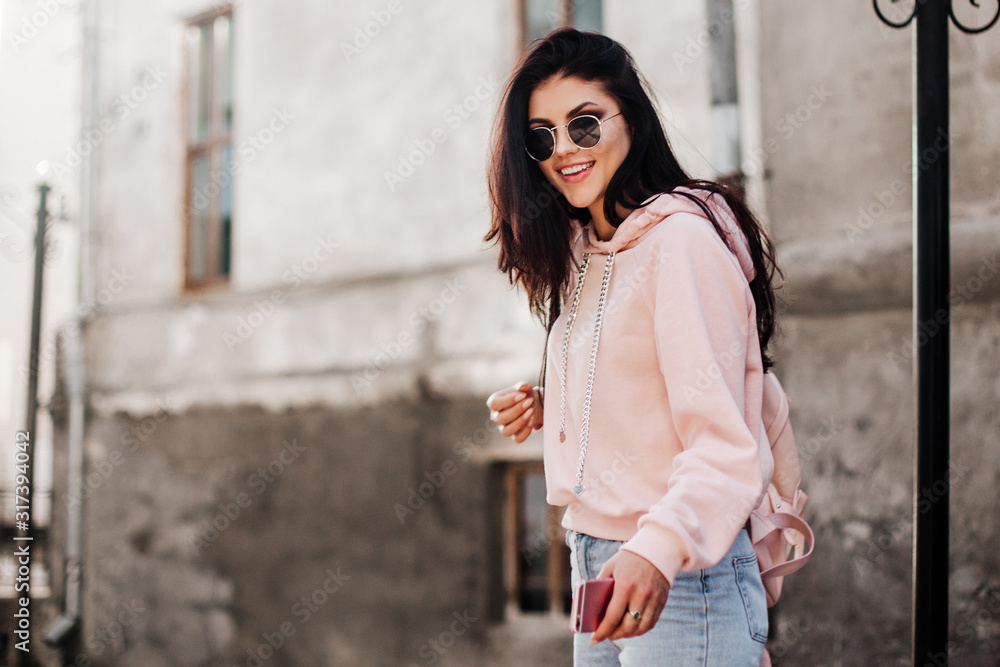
570	319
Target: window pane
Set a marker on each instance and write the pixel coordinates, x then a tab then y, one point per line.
199	211
542	16
205	83
225	208
192	39
199	50
534	549
224	60
587	15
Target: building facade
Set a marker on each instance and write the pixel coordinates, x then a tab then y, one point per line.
288	453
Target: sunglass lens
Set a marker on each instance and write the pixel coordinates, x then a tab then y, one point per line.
585	131
539	143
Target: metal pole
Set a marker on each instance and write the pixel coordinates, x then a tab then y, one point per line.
25	531
931	281
36	329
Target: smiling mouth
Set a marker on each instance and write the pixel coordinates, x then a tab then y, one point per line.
575	169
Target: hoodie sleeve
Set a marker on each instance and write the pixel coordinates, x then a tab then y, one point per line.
703	326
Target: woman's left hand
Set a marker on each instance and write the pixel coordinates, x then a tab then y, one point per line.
639	586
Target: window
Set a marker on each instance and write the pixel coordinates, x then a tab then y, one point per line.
540	17
725	100
535	555
208	124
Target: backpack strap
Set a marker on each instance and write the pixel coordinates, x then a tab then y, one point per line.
762	526
775	406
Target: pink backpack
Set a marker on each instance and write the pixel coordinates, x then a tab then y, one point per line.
776	525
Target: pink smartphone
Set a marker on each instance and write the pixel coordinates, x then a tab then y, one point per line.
590	601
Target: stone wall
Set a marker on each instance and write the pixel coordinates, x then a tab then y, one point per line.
351	537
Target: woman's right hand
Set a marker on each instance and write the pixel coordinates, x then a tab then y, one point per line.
516	410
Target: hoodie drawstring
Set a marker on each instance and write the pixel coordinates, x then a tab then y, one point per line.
570	319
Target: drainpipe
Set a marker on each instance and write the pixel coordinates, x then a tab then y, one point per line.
75	362
66	626
65	630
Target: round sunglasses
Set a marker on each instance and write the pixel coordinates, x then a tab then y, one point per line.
584	131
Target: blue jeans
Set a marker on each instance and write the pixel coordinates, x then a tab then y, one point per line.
715	617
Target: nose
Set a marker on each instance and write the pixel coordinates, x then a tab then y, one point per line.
564	146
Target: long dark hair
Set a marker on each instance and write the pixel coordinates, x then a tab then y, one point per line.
531	219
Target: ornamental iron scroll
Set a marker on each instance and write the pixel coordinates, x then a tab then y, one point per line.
951	12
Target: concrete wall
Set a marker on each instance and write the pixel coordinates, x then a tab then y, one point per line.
244	529
837	104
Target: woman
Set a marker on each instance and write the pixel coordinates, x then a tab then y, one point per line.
658	289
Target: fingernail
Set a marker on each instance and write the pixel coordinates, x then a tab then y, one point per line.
519	395
527	402
528	412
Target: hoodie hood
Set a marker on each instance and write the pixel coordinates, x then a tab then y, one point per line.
643	219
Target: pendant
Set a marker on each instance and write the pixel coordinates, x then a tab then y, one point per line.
562	436
578	489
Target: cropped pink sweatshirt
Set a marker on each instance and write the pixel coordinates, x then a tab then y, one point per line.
677	455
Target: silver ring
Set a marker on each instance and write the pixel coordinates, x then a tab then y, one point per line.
635	614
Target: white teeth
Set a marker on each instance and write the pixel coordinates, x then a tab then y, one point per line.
578	168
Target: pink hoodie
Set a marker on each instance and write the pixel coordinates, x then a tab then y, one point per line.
677	455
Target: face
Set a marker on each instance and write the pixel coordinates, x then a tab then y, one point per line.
555	102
